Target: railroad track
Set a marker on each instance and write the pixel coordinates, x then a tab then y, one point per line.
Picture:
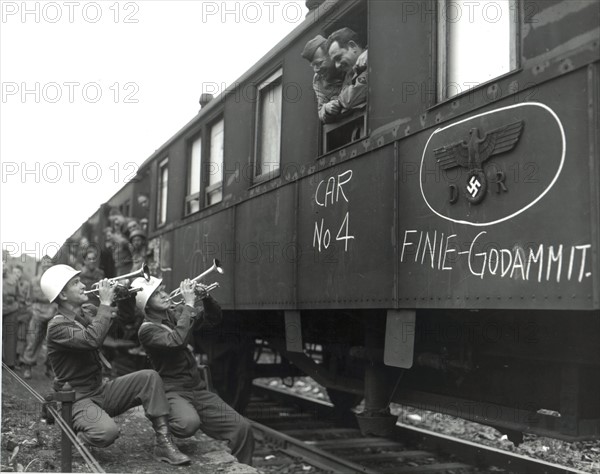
312	431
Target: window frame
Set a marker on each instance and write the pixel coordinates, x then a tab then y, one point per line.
272	80
348	16
163	165
211	188
441	46
189	197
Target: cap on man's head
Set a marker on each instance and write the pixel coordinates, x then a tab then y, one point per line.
136	233
311	47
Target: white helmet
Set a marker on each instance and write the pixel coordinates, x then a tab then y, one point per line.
55	279
148	287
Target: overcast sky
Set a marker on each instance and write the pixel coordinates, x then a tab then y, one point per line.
91	89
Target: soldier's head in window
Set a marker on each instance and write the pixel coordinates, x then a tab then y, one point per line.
314	52
344	48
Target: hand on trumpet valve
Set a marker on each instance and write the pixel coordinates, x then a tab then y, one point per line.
106	291
188	291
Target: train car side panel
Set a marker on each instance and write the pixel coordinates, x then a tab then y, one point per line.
518	220
347	235
198	244
265	251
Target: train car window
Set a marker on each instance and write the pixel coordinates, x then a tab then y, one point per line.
163	183
192	200
476	43
352	123
268	131
214	189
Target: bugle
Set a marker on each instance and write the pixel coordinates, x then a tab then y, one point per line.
199	292
216	267
142	272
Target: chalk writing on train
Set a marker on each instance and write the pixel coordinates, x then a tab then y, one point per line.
331	193
484	258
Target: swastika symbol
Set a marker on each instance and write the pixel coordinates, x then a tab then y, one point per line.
473	186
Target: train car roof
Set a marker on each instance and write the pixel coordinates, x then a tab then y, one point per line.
324	10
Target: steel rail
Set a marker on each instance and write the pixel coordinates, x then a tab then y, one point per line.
474	454
312	455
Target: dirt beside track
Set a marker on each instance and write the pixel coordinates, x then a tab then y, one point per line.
36	445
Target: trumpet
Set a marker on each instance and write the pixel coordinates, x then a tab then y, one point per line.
199	292
216	267
142	272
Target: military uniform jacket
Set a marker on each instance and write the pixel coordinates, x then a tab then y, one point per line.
74	341
166	343
355	87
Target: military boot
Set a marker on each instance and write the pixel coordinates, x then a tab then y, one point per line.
165	449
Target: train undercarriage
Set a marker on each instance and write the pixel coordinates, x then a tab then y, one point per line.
517	371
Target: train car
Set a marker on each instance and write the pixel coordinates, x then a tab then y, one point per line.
437	248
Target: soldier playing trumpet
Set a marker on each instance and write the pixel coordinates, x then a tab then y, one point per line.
74	340
165	335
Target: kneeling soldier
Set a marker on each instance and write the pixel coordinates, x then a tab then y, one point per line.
74	342
165	335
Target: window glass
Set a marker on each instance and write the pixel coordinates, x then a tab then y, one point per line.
193	195
163	183
214	191
269	126
476	43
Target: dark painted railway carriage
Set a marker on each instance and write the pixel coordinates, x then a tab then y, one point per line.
439	248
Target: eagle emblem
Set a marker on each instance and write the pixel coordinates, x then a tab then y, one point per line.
472	153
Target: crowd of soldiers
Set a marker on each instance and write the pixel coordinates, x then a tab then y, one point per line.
77	325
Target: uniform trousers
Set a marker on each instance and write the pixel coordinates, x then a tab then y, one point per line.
200	409
23	318
9	338
36	333
92	414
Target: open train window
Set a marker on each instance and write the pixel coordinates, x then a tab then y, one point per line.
214	186
192	200
476	43
268	130
163	184
351	125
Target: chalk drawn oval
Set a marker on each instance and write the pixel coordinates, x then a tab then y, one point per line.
491	167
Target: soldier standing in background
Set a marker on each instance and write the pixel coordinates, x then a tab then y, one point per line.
24	313
43	311
10	309
90	273
138	248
